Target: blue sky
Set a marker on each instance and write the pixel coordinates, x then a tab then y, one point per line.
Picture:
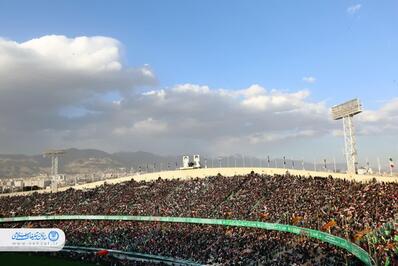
334	50
233	44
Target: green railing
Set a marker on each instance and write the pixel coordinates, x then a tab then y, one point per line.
333	240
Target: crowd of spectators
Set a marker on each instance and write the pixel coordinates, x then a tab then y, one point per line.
349	209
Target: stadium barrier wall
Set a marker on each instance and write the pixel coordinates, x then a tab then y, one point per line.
357	251
143	257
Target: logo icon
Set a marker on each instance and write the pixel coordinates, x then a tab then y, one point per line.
53	235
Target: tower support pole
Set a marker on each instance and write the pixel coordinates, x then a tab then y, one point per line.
351	153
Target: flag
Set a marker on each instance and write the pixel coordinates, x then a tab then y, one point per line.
390	246
296	219
264	215
228	214
391	163
328	225
229	232
102	252
359	235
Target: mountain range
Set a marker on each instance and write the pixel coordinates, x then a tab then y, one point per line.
79	161
84	161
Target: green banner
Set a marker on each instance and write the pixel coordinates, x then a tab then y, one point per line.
334	240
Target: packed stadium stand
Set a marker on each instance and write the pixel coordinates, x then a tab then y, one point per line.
363	213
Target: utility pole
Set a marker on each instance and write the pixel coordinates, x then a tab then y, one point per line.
334	164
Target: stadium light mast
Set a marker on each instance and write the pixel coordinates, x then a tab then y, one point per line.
54	155
346	111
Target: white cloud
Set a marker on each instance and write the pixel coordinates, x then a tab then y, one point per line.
353	9
275	100
193	117
191	88
309	79
53	71
381	121
57	63
253	91
41	77
84	53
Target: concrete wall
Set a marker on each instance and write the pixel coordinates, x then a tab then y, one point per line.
191	173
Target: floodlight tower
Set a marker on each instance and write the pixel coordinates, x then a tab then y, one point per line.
54	154
346	111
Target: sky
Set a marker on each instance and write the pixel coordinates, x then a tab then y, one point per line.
209	77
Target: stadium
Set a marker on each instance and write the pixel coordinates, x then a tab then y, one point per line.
219	216
198	133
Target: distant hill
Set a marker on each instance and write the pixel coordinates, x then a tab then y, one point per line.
81	161
85	161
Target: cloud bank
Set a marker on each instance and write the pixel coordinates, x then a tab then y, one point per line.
53	93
